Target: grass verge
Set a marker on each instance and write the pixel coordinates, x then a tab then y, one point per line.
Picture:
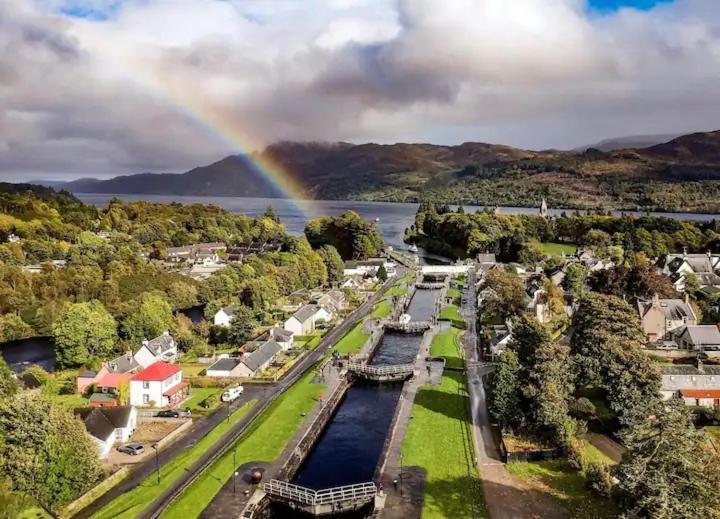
264	441
447	345
197	395
450	313
560	480
130	504
438	439
381	310
352	341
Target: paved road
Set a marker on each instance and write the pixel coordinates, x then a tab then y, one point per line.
263	395
505	496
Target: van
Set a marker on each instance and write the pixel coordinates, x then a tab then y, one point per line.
232	393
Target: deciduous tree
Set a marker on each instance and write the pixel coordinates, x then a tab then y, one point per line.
84	330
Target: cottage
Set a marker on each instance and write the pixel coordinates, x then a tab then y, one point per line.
334	300
696	385
162	348
282	336
87	378
260	359
703	266
227	367
108	425
159	385
111	382
125	363
224	316
199	253
700	337
660	317
304	320
500	337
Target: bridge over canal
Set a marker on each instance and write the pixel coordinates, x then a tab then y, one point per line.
382	373
322	502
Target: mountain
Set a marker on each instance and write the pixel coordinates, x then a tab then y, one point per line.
632	141
682	174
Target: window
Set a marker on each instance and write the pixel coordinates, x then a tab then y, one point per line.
146	384
146	398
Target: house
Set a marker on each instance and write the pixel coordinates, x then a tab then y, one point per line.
486	258
108	425
259	359
369	267
111	382
500	337
199	253
699	337
102	400
660	317
303	321
224	316
158	385
87	378
696	385
557	277
334	300
162	348
704	266
351	283
282	336
125	363
202	272
227	367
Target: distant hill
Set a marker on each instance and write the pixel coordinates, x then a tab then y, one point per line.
680	174
633	141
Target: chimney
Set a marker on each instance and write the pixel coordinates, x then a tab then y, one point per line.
656	300
684	252
687	298
699	364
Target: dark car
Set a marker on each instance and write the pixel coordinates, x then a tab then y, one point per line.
171	413
133	449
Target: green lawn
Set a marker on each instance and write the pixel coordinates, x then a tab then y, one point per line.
352	341
592	453
557	249
130	504
439	440
454	293
381	310
70	401
450	313
197	395
264	441
192	370
565	484
447	345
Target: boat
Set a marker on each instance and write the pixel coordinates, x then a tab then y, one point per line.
377	220
413	248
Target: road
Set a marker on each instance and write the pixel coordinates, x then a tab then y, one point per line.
263	395
506	497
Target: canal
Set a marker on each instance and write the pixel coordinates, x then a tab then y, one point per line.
348	450
23	353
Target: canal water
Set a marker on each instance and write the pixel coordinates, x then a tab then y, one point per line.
24	353
349	449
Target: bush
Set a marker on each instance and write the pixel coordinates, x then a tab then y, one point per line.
209	402
583	408
598	478
576	455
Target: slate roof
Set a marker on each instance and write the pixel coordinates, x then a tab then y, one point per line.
227	364
101	422
281	334
263	354
122	364
674	309
306	312
688	369
160	344
702	334
229	310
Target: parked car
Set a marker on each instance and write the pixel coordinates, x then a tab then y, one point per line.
172	413
232	393
133	449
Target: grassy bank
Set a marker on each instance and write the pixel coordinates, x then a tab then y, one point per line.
450	313
381	310
439	440
447	345
264	441
353	340
130	504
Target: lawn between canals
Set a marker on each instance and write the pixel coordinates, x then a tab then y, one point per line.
131	503
439	440
264	441
447	345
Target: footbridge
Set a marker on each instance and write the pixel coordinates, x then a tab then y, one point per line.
386	373
322	502
409	327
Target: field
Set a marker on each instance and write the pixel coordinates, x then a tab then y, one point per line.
557	249
131	503
263	441
450	313
438	439
558	479
353	340
448	345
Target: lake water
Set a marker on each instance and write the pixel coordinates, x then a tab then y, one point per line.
393	217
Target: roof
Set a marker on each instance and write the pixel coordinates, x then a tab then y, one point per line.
673	309
227	364
102	397
160	344
87	374
229	309
702	334
281	333
176	389
157	371
305	312
700	393
123	364
260	356
486	258
689	369
114	379
101	422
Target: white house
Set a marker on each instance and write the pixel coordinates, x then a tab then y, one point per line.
160	385
303	321
227	367
108	425
248	365
224	316
282	336
162	348
334	300
704	266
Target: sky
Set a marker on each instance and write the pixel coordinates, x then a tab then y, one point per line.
97	88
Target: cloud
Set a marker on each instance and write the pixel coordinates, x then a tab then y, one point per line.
105	87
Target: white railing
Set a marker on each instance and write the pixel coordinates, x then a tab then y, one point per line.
387	369
310	497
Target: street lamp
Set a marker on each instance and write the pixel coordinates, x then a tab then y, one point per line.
157	462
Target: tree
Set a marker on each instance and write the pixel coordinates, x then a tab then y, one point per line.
242	325
353	237
574	280
84	330
8	385
151	318
509	297
46	451
123	392
505	396
692	284
531	253
333	263
670	470
382	273
12	328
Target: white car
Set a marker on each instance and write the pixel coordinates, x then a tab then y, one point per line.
232	393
